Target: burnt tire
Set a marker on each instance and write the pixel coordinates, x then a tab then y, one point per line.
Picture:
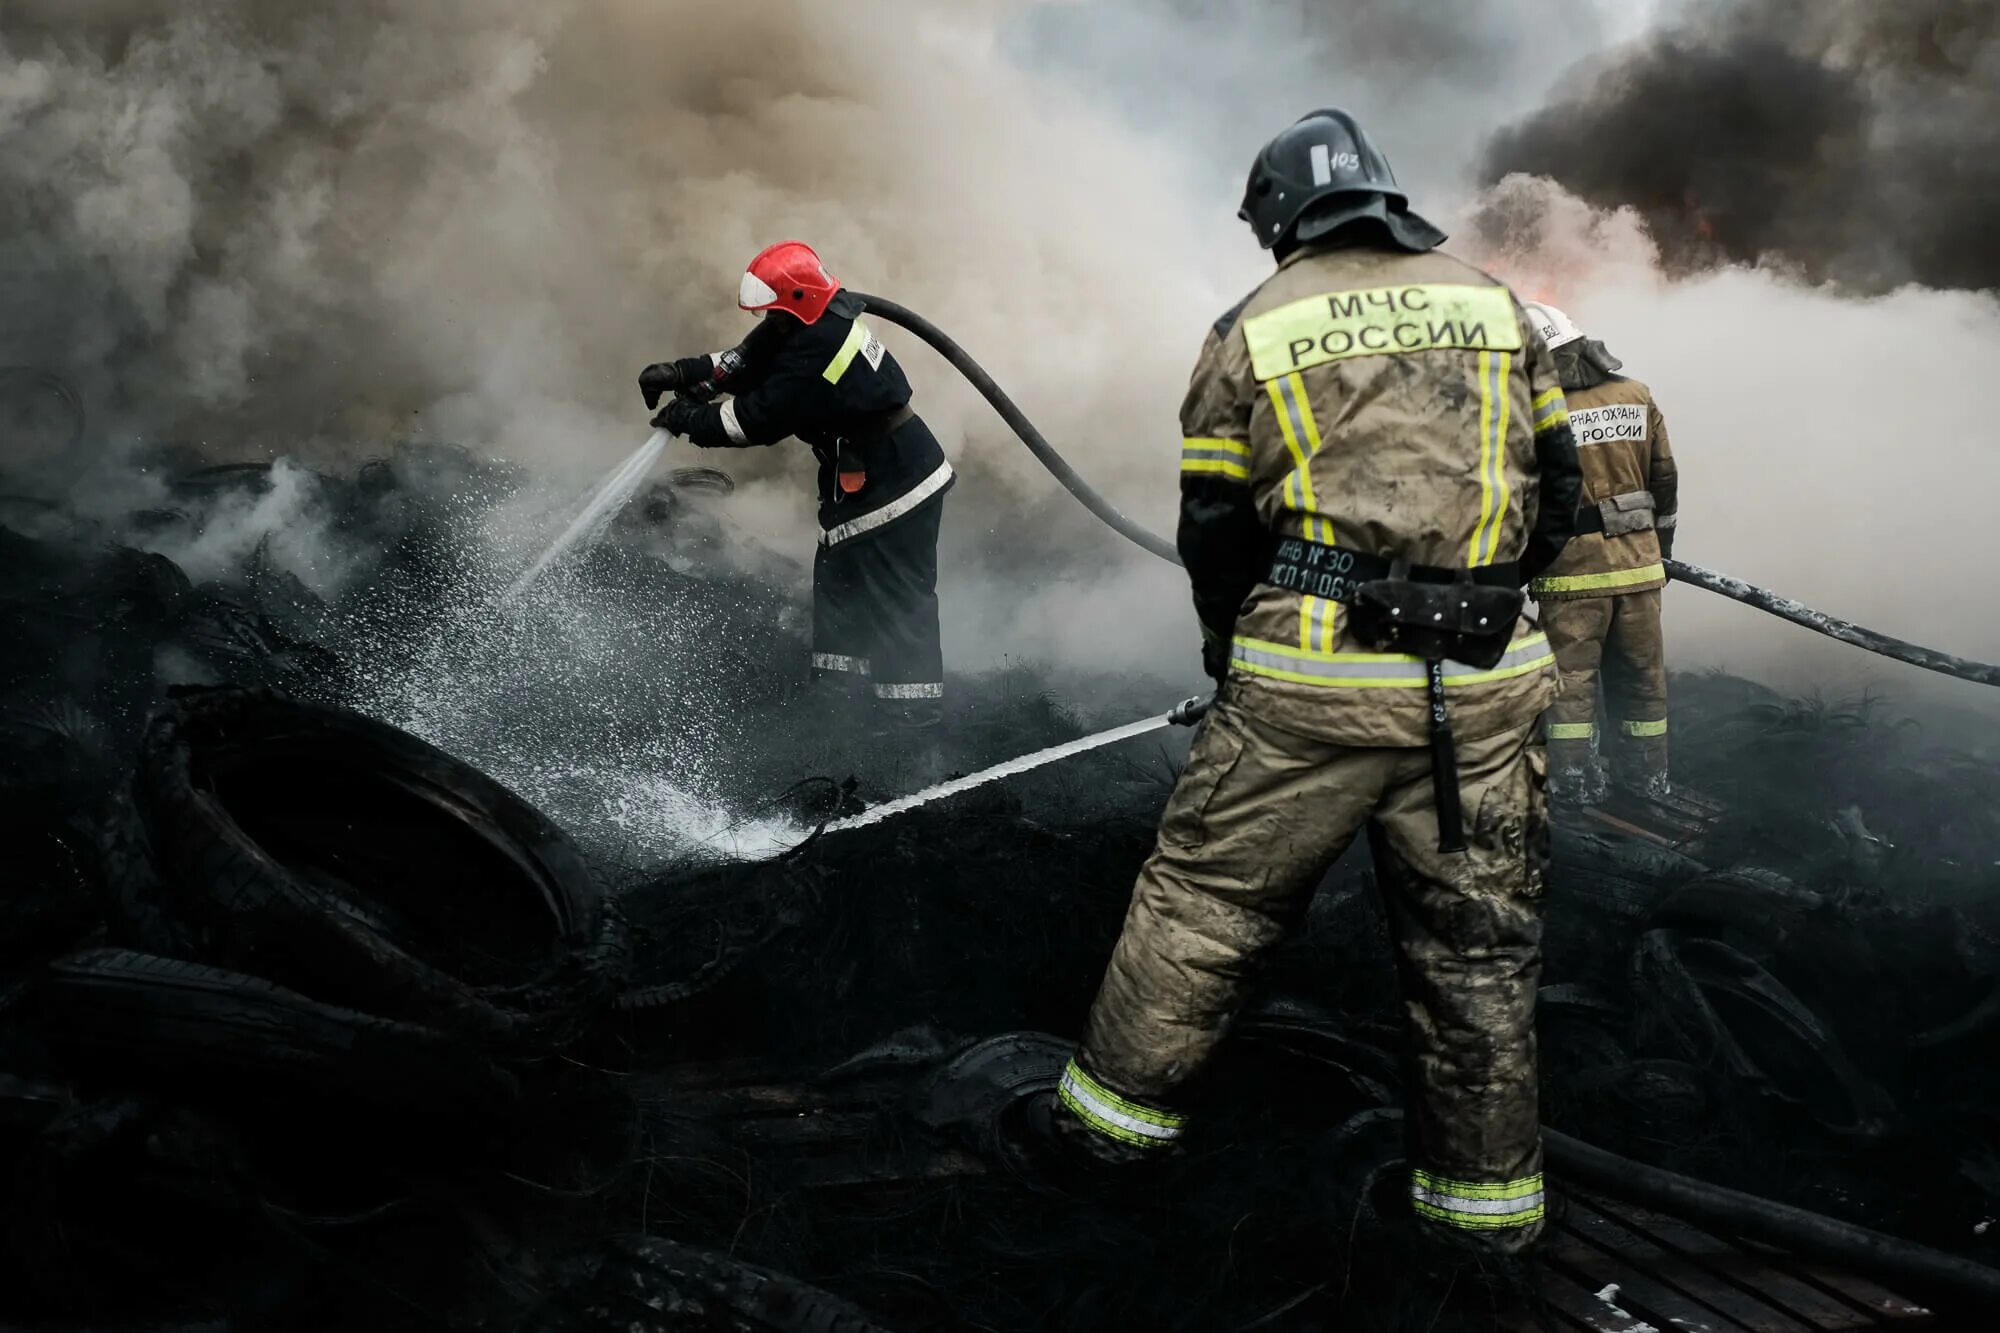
649	1285
116	1012
364	866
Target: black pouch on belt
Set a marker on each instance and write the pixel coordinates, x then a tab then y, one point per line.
1462	620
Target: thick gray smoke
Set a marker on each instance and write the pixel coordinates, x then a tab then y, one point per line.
282	229
1854	141
277	229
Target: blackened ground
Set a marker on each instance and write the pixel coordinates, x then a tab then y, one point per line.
1824	1035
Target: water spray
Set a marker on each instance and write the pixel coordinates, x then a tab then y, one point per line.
611	495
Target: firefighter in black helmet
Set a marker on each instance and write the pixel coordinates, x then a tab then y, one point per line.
1376	458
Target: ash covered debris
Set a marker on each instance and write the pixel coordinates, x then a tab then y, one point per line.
1809	1030
1854	143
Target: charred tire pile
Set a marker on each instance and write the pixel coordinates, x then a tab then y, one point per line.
320	848
339	965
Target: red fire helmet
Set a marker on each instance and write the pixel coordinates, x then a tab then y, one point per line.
788	276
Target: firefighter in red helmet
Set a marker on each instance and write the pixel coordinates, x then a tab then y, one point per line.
812	368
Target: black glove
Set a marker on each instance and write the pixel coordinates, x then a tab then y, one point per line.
685	373
1215	658
677	416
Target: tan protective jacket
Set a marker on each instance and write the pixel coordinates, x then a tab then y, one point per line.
1383	401
1621	443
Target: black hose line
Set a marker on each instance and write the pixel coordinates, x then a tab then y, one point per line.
1819	622
941	342
1923	1272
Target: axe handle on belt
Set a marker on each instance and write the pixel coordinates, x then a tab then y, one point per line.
1444	768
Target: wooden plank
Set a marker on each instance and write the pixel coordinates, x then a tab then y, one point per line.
1737	1309
1620	1283
1887	1307
1814	1309
1587	1311
1597	815
1883	1307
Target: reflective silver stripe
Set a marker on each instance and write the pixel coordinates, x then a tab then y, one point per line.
1665	522
840	662
1191	455
1386	669
1453	1203
932	690
730	426
1084	1096
1321	612
892	511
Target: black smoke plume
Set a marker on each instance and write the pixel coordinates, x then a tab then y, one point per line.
1853	143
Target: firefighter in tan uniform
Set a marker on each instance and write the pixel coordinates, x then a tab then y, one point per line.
1376	459
1600	601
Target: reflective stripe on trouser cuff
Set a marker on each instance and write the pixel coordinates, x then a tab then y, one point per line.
1478	1207
1622	578
930	690
1380	670
939	478
1572	731
1114	1117
1658	728
840	662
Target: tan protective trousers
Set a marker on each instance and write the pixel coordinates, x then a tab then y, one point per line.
1258	817
1615	640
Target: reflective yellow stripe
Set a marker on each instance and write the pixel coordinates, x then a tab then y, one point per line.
1494	409
1644	728
1572	731
1220	467
1621	578
1318	623
1295	417
1473	1189
857	338
1296	425
1380	321
1216	457
1478	1206
1113	1116
1550	414
1379	671
1551	410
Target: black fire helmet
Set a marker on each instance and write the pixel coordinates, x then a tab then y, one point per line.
1321	175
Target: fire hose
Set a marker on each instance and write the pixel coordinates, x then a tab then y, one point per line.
1762	599
1805	1233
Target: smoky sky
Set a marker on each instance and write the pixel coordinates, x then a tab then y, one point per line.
1220	77
1851	142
